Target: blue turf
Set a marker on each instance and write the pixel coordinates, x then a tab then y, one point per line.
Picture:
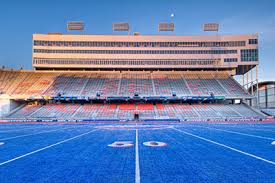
259	146
89	159
192	160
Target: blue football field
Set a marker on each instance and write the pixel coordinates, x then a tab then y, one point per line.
137	153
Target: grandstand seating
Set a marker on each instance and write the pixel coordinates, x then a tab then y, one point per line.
166	84
127	111
127	107
270	112
87	111
225	111
10	80
24	84
105	112
205	87
68	85
29	83
244	111
145	107
186	111
233	88
136	83
56	111
105	84
26	111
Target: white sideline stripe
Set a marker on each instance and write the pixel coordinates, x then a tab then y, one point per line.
262	130
228	147
137	160
21	129
255	128
47	147
18	136
240	133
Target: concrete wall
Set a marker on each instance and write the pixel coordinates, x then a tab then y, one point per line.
7	105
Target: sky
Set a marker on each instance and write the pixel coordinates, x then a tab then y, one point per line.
22	18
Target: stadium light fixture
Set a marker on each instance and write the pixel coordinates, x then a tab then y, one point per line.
75	25
164	26
121	26
167	26
211	27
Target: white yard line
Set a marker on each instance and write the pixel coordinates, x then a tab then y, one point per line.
239	133
137	172
47	147
225	146
26	135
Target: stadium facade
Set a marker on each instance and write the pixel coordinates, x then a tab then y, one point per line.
234	53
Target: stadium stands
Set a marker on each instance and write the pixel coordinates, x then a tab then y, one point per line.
55	111
26	111
25	84
86	111
226	111
244	110
165	84
270	112
136	83
104	84
145	111
29	83
233	88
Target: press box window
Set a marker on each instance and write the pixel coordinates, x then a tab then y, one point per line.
230	60
253	41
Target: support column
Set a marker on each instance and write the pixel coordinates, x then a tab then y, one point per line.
243	76
243	80
251	83
247	80
257	85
